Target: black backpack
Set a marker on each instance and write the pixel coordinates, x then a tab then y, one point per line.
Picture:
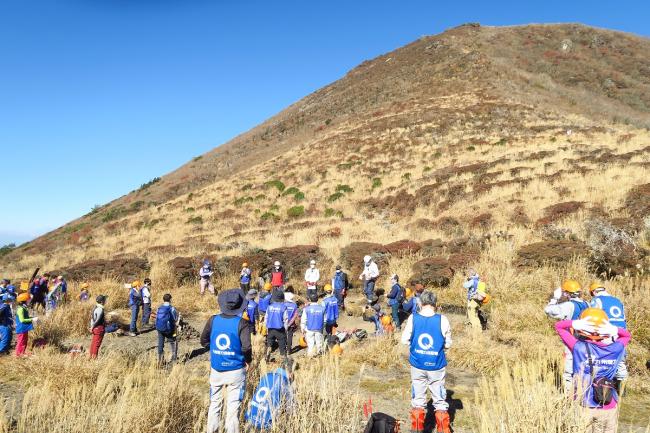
400	295
381	423
602	387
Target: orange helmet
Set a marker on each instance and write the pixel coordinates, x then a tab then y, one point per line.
595	286
597	317
386	320
328	288
302	342
244	265
408	292
336	350
570	286
23	297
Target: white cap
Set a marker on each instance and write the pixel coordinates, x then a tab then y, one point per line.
367	259
312	262
277	263
288	296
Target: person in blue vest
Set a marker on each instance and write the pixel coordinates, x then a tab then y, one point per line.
566	304
135	301
597	347
428	335
245	277
228	337
274	394
312	324
6	320
331	305
395	300
341	285
413	304
292	318
251	309
276	322
613	307
167	320
264	300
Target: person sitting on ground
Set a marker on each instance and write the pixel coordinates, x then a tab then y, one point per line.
369	276
276	321
413	304
428	335
566	304
228	337
167	321
331	310
395	300
312	323
6	322
312	276
205	274
372	313
145	291
24	323
97	326
597	350
340	284
245	277
292	315
273	394
613	307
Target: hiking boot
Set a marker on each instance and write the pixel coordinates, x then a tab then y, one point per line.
132	334
442	421
417	420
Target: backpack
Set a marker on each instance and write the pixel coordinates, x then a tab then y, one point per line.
360	334
602	387
401	296
381	423
164	319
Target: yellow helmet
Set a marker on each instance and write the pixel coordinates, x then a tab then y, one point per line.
244	265
85	285
328	288
595	286
408	292
570	286
23	297
136	283
336	350
268	286
597	317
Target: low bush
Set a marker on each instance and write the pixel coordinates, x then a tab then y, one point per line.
275	184
195	220
329	212
296	211
332	198
376	182
343	188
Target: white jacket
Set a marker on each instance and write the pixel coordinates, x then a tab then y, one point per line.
370	271
312	276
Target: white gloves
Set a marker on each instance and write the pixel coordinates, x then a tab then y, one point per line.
584	325
607	330
557	294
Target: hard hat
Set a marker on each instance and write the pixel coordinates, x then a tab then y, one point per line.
570	286
366	259
23	297
595	286
136	283
302	342
277	263
312	262
408	292
328	288
386	320
267	286
85	285
244	265
336	350
481	286
597	317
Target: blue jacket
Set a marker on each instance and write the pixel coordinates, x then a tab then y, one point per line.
315	317
578	307
264	303
472	286
292	310
272	394
427	351
331	305
5	315
276	316
396	293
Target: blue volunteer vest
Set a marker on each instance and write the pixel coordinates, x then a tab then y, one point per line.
315	317
275	315
427	343
274	389
331	309
245	279
605	360
613	307
339	283
5	315
264	303
251	309
21	327
578	307
225	345
292	308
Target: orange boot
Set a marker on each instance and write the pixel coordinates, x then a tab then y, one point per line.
417	420
442	421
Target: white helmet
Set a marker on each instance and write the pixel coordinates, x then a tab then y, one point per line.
312	262
277	263
367	259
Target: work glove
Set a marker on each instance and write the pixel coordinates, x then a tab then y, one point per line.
584	326
557	294
607	330
35	320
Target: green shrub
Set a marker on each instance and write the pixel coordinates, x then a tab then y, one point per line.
339	214
148	184
197	158
553	139
274	207
501	142
406	176
376	183
438	154
275	184
470	148
329	212
269	216
334	197
112	214
299	196
247	187
344	166
259	197
296	211
242	200
6	249
189	209
426	169
344	188
152	223
195	220
291	191
136	205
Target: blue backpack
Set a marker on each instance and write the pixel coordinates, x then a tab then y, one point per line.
164	319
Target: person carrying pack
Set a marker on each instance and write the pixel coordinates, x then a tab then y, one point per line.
597	347
245	277
395	300
340	284
167	319
331	305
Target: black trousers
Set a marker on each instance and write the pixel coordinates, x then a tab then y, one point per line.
279	336
290	332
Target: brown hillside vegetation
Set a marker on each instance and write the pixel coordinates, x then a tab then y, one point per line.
522	152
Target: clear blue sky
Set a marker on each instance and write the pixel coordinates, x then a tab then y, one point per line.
100	96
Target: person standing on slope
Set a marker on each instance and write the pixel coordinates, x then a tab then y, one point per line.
245	277
292	319
251	310
331	306
145	291
167	321
278	277
566	304
597	348
205	273
428	335
613	307
369	276
228	337
97	326
276	322
395	300
135	301
340	284
312	276
24	323
312	324
6	322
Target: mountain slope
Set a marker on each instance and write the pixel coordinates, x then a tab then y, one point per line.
473	115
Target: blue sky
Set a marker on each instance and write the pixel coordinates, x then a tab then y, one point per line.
100	96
